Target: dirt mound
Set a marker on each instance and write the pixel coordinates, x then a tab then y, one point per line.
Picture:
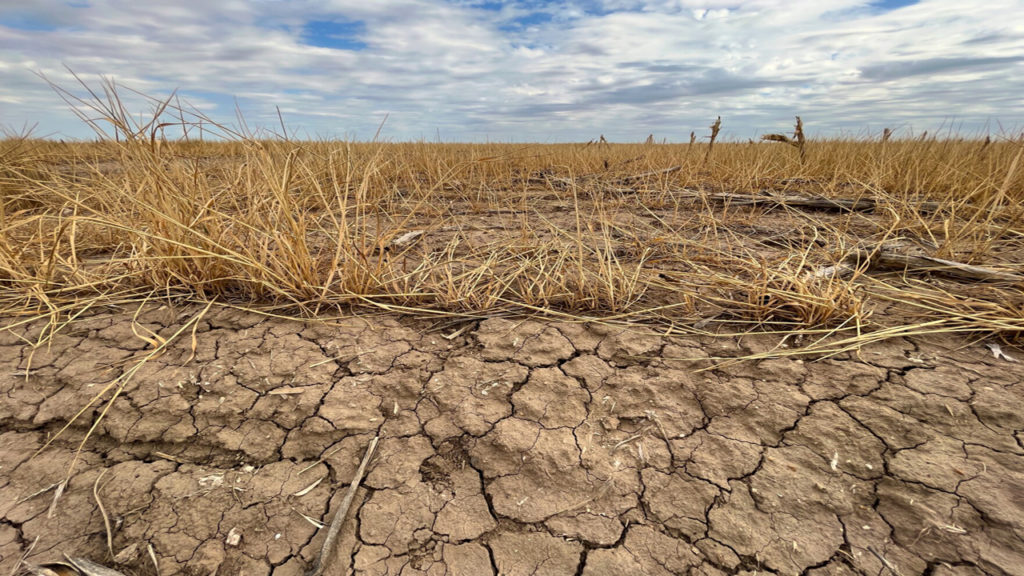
509	447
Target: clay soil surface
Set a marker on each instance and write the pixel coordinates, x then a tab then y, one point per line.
508	447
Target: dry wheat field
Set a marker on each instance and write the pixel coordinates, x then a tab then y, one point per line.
260	355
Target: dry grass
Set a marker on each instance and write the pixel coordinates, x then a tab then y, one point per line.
583	231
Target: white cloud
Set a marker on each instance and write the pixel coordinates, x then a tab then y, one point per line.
532	70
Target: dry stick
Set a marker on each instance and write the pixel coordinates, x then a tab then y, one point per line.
103	512
884	562
819	202
664	435
24	499
339	517
16	569
884	259
166	456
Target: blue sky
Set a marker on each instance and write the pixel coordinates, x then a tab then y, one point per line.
338	34
531	70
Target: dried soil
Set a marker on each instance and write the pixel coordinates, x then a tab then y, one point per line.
514	447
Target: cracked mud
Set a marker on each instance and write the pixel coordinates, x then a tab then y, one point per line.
512	447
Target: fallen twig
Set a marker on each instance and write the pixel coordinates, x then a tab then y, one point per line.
664	435
885	562
37	493
801	201
103	512
166	456
24	556
339	517
886	259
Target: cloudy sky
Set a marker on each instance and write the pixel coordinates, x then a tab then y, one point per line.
530	70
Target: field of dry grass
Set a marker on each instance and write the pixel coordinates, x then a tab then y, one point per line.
854	238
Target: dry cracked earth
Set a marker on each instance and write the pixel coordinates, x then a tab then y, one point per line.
509	447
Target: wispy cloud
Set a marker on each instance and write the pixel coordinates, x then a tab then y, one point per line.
530	70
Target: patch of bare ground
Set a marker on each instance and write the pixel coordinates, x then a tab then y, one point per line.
514	447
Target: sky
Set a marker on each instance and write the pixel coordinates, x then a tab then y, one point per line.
528	70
